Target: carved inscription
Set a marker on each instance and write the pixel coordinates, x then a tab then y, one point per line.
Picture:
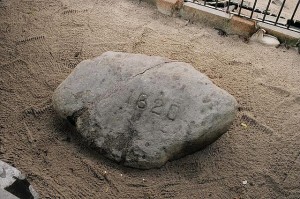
159	107
173	111
142	101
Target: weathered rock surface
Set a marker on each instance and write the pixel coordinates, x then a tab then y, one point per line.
8	174
13	184
6	195
143	110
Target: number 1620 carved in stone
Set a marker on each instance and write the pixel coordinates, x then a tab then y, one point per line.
142	111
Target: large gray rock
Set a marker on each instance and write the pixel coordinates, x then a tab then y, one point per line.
143	110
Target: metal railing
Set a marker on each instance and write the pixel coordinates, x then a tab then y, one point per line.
238	7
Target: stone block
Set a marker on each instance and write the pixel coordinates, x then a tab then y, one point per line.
168	7
241	26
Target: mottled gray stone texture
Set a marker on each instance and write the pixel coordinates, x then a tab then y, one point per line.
143	111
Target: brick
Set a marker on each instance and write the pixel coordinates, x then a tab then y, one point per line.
242	26
168	7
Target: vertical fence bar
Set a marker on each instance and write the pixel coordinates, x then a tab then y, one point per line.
280	12
216	5
294	14
253	9
229	5
241	7
266	11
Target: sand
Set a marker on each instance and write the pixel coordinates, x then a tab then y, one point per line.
41	42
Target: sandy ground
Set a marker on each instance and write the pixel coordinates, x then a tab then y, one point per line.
41	41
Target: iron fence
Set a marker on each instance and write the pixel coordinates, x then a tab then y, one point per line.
245	9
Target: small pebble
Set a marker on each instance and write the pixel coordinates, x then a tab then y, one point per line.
244	125
244	182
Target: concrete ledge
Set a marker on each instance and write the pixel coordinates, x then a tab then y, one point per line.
215	18
282	34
